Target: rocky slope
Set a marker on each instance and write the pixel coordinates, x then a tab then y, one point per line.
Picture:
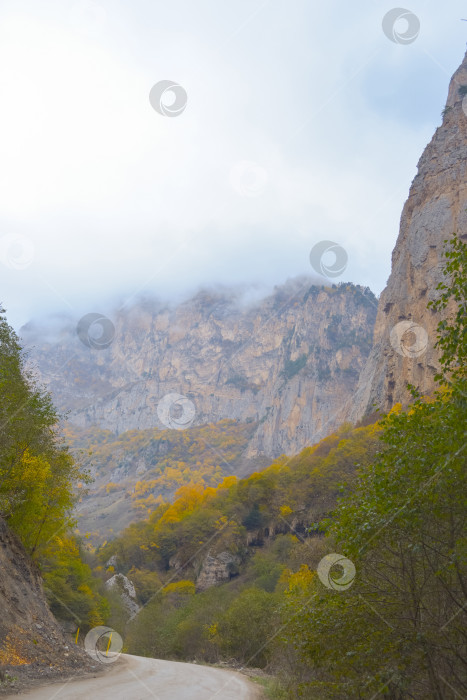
32	645
289	363
405	330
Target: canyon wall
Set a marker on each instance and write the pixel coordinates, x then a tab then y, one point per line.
289	363
405	329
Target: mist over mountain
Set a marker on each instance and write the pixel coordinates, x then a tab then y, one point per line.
232	356
214	447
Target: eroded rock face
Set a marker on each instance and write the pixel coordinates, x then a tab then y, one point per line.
126	591
30	637
289	363
216	569
436	208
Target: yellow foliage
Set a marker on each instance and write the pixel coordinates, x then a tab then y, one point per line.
227	482
149	503
84	588
300	581
95	618
11	655
212	630
181	587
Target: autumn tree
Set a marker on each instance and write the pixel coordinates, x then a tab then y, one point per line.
37	472
399	630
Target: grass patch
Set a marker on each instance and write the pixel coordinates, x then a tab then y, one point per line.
272	688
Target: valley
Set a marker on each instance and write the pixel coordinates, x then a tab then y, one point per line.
235	486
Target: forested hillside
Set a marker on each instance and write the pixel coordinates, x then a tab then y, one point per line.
233	425
137	470
363	598
37	495
339	571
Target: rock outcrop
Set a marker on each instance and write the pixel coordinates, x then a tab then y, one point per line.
289	363
405	330
217	569
125	590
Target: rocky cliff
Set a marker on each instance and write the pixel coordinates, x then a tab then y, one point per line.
298	363
289	363
405	330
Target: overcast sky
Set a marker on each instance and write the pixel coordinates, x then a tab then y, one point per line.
303	122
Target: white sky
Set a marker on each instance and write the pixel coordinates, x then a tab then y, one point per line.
105	198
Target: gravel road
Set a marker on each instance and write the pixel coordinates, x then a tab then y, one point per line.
138	678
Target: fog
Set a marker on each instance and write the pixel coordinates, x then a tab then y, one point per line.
299	123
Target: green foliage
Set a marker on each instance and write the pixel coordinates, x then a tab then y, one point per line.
452	331
218	623
246	627
238	619
272	687
37	473
254	518
306	486
74	594
266	570
399	630
175	629
146	583
38	488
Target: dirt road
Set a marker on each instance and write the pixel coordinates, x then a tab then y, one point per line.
137	678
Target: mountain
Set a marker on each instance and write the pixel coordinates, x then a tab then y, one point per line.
405	330
288	363
286	370
213	568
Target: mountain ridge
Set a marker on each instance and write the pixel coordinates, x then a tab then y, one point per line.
261	363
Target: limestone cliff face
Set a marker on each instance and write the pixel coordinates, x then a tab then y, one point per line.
436	208
289	363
